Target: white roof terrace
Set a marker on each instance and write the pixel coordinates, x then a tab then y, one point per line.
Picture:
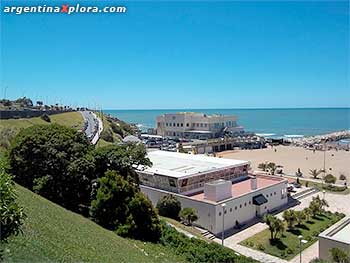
182	165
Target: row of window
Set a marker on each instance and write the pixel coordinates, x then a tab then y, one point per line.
245	204
169	124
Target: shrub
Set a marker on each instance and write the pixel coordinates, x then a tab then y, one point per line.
116	129
339	255
330	179
107	135
261	247
290	251
45	117
197	251
169	206
342	177
120	206
143	222
12	214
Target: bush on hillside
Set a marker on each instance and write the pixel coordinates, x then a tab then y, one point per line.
45	117
110	208
142	222
44	158
116	129
196	250
12	214
107	135
120	206
169	206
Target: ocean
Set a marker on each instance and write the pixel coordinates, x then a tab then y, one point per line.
268	122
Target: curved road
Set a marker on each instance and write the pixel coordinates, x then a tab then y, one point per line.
93	126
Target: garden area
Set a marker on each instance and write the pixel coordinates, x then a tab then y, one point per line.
281	239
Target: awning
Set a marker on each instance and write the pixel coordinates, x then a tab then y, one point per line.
259	199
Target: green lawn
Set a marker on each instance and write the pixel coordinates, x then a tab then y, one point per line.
69	119
287	246
54	234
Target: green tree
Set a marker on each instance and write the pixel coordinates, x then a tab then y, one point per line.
111	206
290	217
300	217
122	158
275	225
11	214
188	215
169	206
142	222
107	135
39	158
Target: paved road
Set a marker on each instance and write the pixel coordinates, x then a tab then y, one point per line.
89	118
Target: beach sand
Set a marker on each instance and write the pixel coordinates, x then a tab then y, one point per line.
292	158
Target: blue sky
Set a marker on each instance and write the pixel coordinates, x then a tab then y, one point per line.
181	55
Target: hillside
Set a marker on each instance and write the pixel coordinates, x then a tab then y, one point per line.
70	119
9	128
52	233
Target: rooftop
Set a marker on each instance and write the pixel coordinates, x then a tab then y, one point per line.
339	231
244	187
181	165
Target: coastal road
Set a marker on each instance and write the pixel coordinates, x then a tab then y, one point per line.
89	119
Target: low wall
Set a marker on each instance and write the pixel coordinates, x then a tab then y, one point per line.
17	114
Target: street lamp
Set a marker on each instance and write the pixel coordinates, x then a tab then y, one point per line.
223	224
301	241
324	194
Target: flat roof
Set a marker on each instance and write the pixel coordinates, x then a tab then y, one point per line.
180	165
339	231
244	187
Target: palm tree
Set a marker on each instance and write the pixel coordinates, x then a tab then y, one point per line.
314	173
290	217
188	215
272	167
263	166
275	225
300	216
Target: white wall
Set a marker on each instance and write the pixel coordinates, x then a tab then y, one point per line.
208	212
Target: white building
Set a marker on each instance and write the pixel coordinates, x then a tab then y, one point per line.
205	183
337	236
195	125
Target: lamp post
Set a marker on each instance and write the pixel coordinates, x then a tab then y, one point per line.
223	224
324	194
301	241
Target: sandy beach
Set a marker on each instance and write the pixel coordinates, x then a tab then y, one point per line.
292	158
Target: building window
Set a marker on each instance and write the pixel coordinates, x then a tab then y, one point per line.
240	206
174	124
205	125
201	124
245	204
208	214
274	193
271	194
197	124
235	207
231	209
177	124
225	211
182	124
187	124
219	213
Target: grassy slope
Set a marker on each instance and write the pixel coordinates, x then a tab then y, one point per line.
52	233
69	119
